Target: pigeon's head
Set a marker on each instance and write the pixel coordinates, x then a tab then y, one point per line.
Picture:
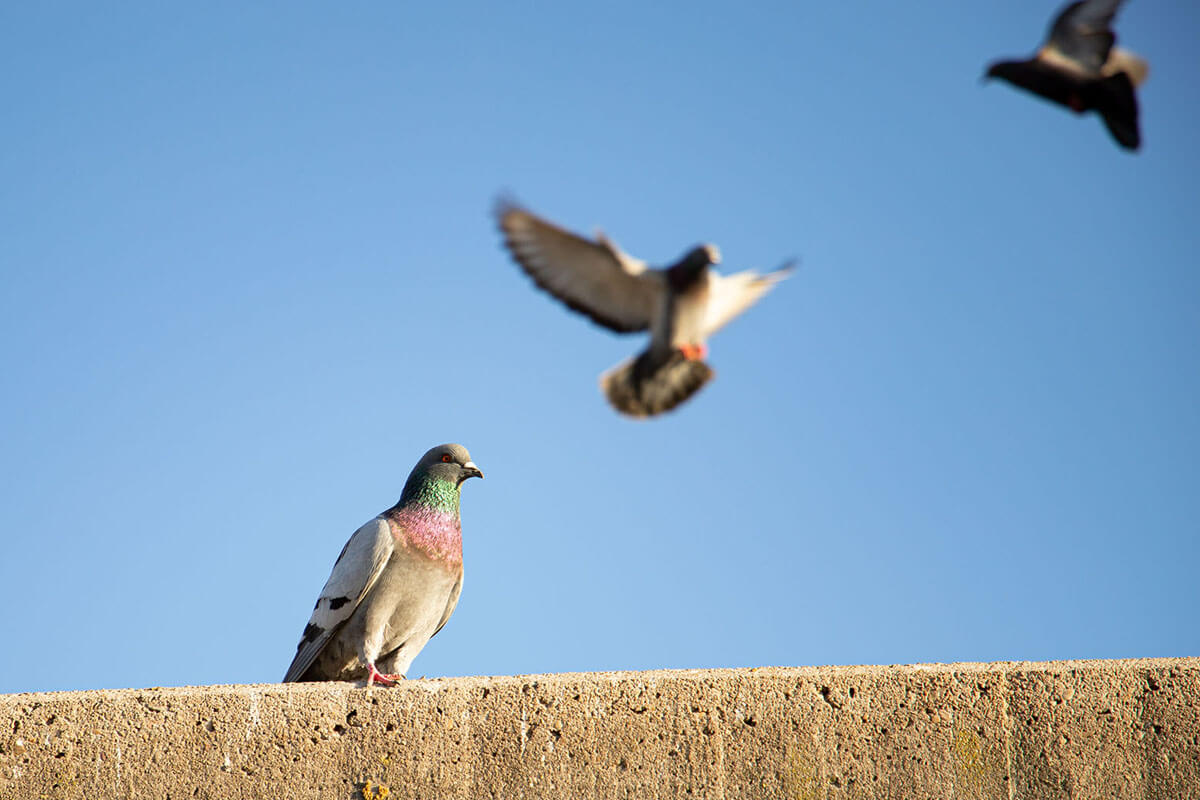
708	253
448	462
688	269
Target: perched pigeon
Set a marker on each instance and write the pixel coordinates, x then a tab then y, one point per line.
395	583
1078	67
682	305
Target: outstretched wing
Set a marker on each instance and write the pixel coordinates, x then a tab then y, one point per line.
1083	33
730	295
594	278
354	573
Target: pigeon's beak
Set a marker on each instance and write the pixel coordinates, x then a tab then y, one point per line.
469	470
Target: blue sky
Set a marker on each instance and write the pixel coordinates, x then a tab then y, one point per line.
249	276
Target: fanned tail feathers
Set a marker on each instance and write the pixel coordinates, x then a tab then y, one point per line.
639	388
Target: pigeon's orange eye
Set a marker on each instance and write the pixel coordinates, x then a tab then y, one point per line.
446	458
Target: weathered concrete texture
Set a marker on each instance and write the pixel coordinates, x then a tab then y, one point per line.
1087	729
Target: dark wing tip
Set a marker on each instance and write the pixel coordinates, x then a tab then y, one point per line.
789	265
504	206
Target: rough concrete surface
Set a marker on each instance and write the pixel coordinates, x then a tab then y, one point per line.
1075	729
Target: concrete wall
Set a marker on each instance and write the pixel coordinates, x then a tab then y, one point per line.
1084	729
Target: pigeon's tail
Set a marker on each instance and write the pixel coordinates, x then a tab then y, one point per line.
1117	104
645	386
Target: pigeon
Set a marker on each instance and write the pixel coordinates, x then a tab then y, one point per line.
395	584
1078	67
681	305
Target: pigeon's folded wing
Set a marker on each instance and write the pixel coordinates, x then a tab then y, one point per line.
730	295
1083	33
451	603
355	572
593	278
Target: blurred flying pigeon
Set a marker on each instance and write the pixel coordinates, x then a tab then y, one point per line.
1078	67
681	305
395	583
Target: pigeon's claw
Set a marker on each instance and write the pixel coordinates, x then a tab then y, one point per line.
694	352
375	676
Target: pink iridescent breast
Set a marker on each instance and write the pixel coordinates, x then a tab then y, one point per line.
436	533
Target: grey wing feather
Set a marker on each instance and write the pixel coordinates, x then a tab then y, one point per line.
354	573
596	278
451	603
1083	32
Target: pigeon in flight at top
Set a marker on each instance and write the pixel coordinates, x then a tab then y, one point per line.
1078	67
395	584
681	305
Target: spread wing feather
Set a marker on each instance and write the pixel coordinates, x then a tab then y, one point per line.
730	295
596	278
1083	33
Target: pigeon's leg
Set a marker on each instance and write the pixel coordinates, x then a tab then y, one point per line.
694	352
374	675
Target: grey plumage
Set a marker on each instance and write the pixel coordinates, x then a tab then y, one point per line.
1080	67
681	305
1083	33
396	582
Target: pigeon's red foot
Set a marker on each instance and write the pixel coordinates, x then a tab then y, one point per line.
1076	104
694	352
375	676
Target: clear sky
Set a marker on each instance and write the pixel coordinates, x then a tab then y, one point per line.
250	276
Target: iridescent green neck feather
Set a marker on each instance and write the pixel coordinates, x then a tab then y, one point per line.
426	518
435	493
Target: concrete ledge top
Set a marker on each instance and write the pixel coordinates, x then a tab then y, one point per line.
437	684
1070	729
